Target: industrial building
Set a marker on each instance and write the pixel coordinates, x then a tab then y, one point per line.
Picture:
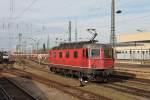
133	46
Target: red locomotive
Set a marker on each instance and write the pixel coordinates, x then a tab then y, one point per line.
88	59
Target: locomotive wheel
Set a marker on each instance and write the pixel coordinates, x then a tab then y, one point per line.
83	79
51	69
81	82
104	80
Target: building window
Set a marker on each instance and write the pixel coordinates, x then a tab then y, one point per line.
67	54
75	54
130	51
143	52
118	51
60	54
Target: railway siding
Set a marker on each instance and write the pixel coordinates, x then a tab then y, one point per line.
13	91
38	90
117	95
81	94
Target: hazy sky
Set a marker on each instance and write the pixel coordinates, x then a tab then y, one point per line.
39	18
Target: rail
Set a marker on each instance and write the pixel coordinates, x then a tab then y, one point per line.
21	89
10	90
74	91
5	93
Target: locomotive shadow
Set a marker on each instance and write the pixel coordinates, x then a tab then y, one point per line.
119	77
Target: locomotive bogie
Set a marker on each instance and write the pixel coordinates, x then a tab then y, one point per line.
90	74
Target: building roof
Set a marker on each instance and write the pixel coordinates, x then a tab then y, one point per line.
137	37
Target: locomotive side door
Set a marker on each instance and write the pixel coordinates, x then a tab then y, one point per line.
85	57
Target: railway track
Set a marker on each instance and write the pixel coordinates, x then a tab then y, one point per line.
131	79
3	94
135	71
35	67
11	91
116	77
121	88
74	91
127	89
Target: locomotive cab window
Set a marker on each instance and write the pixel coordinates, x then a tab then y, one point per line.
75	54
95	53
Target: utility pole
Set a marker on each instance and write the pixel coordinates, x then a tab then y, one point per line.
76	33
48	42
20	42
11	9
4	26
37	46
25	47
113	36
69	28
44	48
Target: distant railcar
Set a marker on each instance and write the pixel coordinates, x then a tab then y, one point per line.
4	57
91	60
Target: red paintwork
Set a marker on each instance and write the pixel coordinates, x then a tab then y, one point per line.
81	62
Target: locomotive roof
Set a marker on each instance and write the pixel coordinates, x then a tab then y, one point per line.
83	44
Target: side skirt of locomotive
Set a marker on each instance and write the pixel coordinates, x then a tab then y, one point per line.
89	74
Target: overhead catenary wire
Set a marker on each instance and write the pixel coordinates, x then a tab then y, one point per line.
26	9
126	20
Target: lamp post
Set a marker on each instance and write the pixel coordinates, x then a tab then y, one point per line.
113	36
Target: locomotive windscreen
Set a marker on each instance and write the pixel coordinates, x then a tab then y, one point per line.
95	53
108	52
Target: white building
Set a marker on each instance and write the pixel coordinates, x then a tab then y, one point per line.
133	46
